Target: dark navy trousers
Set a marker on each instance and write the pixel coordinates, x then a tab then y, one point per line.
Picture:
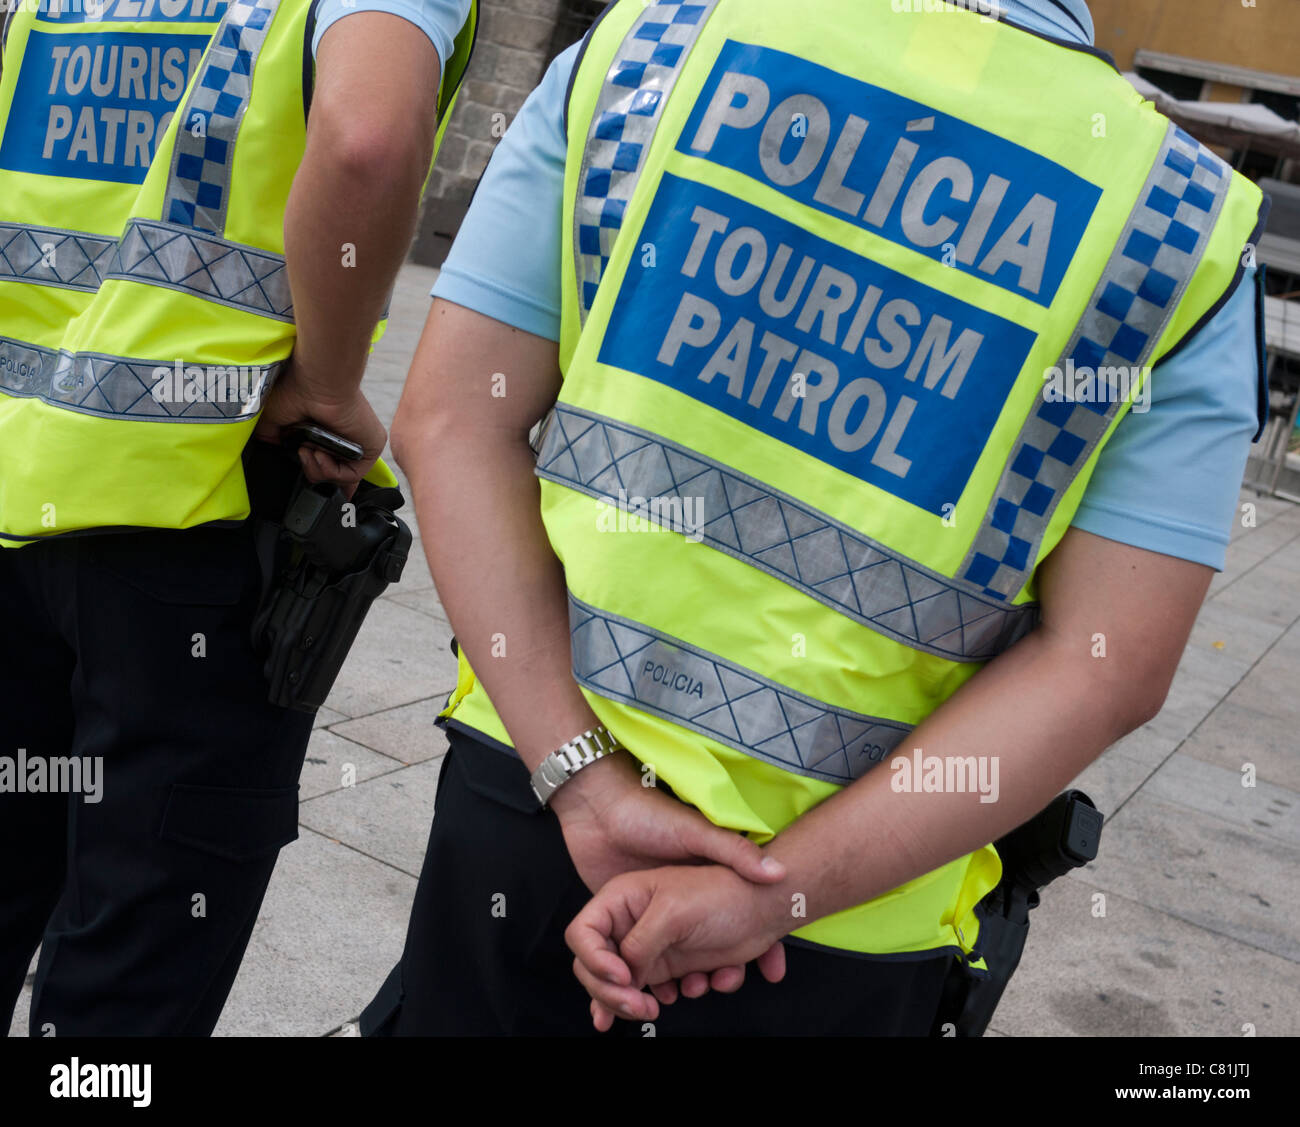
471	970
131	649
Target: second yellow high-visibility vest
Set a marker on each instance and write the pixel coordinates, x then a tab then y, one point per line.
134	362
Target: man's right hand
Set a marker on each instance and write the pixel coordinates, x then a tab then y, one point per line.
296	399
612	824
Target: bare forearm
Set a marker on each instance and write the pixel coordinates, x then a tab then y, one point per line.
461	433
1039	713
347	229
499	581
352	209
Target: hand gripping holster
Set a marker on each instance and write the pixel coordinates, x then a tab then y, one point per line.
324	560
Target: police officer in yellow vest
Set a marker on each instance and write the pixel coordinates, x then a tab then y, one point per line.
898	369
203	205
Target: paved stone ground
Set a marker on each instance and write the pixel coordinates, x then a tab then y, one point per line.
1197	875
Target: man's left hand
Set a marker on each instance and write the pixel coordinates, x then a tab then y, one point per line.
682	922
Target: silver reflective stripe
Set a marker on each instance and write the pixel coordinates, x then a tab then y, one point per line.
657	673
198	187
116	387
628	108
1140	288
53	256
207	266
775	532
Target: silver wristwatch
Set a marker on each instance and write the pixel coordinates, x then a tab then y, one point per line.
565	762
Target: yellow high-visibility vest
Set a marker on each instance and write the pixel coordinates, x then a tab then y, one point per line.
147	150
853	300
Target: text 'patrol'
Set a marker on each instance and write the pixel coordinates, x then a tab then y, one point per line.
858	365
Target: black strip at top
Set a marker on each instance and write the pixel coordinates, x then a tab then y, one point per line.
1261	354
308	60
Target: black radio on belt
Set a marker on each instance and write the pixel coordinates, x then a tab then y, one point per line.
324	562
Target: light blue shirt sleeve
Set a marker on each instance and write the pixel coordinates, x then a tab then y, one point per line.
505	262
1167	481
440	20
1068	19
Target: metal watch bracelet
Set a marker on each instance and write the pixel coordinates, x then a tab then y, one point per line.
570	758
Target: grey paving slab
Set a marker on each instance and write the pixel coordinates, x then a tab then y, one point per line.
1234	736
1191	699
383	396
1287	558
333	760
331	927
1217	667
1269	532
1268	592
399	657
1139	972
1262	806
1111	779
1274	539
1273	686
1146	745
1205	870
389	366
327	716
406	734
385	818
1289	643
1223	632
18	1027
426	602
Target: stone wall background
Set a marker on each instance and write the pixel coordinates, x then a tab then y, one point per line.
517	39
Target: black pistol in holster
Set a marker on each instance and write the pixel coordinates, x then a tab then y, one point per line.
1062	837
324	561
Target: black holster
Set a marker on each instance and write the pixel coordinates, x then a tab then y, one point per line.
324	560
1062	837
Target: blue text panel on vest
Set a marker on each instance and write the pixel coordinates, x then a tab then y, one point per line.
133	11
96	105
865	369
923	179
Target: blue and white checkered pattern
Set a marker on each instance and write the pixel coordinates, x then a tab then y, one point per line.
627	112
198	191
1154	260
